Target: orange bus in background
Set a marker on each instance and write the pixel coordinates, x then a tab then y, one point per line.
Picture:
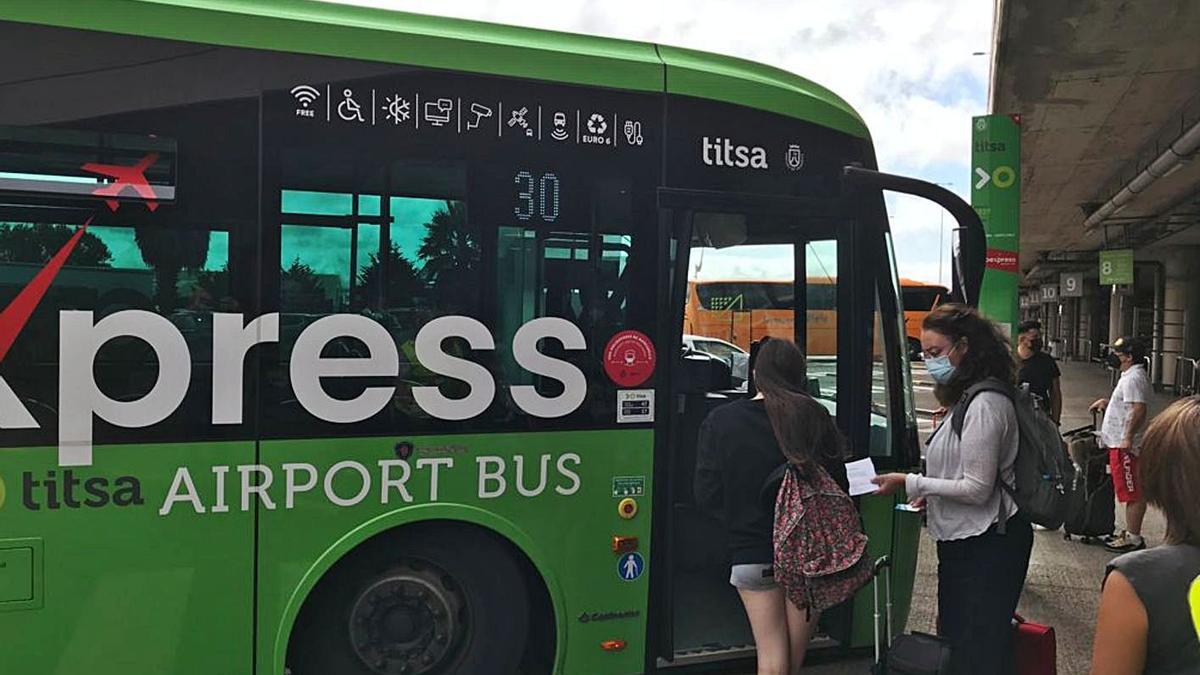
745	310
742	311
919	298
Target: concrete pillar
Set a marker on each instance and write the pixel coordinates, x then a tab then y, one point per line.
1120	312
1176	297
1087	332
1181	300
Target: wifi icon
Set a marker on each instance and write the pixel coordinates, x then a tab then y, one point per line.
305	95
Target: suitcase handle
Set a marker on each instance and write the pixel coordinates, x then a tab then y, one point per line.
1079	430
884	565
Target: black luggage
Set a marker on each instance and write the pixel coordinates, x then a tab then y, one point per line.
1096	517
909	654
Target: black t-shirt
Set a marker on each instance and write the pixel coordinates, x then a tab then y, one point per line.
737	453
1039	371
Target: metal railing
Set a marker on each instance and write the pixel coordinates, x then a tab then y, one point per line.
1085	349
1186	386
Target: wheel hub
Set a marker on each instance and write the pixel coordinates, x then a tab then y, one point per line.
408	622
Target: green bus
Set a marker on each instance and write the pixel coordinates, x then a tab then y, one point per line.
338	340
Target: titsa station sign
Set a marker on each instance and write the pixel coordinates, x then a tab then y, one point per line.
996	196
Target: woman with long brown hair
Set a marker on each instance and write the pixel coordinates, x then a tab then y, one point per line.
741	445
983	544
1143	625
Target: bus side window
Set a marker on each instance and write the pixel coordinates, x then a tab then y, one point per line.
588	267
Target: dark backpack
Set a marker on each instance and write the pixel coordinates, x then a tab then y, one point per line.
820	547
1043	474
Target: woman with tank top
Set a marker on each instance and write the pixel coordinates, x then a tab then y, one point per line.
1144	623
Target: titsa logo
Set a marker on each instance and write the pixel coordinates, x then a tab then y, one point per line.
1	492
724	152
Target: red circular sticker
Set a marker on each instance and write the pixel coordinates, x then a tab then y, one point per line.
629	358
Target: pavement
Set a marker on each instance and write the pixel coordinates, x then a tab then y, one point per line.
1063	586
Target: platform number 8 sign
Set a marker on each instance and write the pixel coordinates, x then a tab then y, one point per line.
1116	267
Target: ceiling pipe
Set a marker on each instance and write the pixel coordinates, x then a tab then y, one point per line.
1170	160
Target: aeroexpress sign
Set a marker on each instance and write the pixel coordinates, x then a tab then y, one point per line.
996	196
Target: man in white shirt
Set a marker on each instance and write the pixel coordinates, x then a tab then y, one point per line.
1121	433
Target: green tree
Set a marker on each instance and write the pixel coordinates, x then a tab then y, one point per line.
215	282
398	289
36	244
168	251
450	252
302	289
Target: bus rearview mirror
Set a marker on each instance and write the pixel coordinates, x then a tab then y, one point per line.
719	230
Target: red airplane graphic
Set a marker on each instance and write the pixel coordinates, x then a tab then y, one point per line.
133	177
14	317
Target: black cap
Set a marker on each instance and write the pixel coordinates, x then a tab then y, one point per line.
1131	346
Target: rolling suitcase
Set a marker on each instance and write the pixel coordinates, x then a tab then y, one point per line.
1096	517
1036	648
909	654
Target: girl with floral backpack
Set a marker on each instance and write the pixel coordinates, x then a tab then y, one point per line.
781	446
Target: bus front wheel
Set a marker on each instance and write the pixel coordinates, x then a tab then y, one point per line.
426	600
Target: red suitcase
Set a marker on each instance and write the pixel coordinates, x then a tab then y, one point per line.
1035	647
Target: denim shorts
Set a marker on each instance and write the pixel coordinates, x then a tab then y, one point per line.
753	577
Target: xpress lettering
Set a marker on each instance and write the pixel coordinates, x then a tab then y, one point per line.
81	400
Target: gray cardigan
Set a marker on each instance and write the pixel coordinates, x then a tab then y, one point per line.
959	485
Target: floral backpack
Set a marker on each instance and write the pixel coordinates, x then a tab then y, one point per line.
820	548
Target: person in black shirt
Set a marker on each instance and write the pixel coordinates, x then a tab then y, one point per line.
741	444
1038	369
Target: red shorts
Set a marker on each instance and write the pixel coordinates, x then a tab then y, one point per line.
1124	466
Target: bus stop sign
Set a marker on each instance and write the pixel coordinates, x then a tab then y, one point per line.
1116	267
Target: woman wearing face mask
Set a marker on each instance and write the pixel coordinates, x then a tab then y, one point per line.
983	545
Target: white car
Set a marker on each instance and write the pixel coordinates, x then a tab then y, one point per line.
737	358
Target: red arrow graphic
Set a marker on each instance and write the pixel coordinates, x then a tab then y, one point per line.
16	315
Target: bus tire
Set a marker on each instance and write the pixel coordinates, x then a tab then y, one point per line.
439	599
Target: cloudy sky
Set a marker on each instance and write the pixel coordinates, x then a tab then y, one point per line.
907	66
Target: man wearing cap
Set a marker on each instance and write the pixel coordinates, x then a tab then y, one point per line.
1121	433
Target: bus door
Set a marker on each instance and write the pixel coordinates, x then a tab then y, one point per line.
723	236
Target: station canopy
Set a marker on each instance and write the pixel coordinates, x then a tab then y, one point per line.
1103	89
